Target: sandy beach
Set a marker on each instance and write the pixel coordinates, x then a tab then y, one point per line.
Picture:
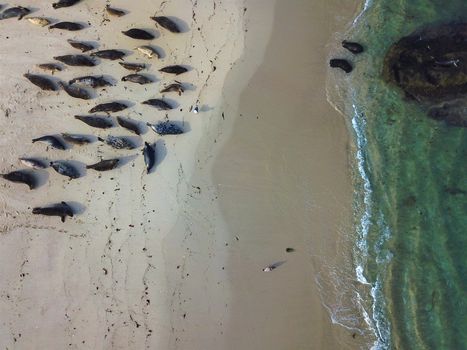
174	259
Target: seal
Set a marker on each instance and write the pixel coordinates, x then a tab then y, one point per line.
76	60
109	107
70	26
353	47
148	51
64	3
137	78
174	87
42	82
166	23
342	64
51	67
61	209
22	176
34	163
114	12
109	54
91	81
96	122
129	124
175	69
160	104
149	153
118	142
104	165
165	128
39	21
135	67
82	46
76	139
139	34
51	141
65	169
12	12
76	91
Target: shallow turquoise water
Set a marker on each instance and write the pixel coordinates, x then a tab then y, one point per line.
413	237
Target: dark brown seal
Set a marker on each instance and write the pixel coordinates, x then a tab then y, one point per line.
42	82
166	23
60	209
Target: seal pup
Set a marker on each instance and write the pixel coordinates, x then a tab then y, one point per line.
64	3
96	122
118	142
51	141
175	69
137	78
76	139
174	87
165	128
91	81
21	176
34	163
65	169
109	54
70	26
148	51
166	23
139	34
76	91
12	12
129	124
51	67
135	67
161	105
110	107
114	12
76	60
83	47
104	165
342	64
353	47
42	82
39	21
61	209
149	153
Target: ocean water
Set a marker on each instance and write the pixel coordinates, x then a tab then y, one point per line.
411	197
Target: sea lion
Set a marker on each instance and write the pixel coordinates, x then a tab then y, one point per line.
21	176
42	82
61	209
129	124
149	153
140	34
64	3
353	47
82	46
51	141
108	107
12	12
148	51
114	12
342	64
166	23
70	26
137	78
118	142
174	87
96	122
104	165
76	91
34	163
135	67
39	21
65	169
91	81
76	60
160	104
109	54
51	67
165	128
175	69
76	139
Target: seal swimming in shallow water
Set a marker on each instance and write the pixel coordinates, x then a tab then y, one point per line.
137	78
42	82
160	104
65	169
149	153
129	124
96	122
353	47
70	26
104	165
166	23
12	12
175	69
135	67
76	60
109	54
51	67
76	91
51	141
165	128
21	176
110	107
118	142
64	3
61	209
82	46
139	34
342	64
91	81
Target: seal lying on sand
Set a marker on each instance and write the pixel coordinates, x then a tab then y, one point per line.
140	34
21	176
91	81
174	87
42	82
114	12
104	165
76	139
51	67
39	21
161	105
64	3
129	124
166	128
166	23
342	64
76	91
71	26
34	163
65	169
149	153
108	107
135	67
76	60
109	54
148	51
137	78
96	122
118	142
175	69
12	12
51	141
83	47
61	209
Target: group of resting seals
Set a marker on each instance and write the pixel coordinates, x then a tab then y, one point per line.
77	88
